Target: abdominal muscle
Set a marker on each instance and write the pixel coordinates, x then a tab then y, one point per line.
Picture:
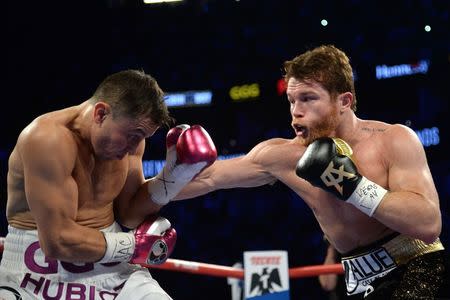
97	218
344	225
95	209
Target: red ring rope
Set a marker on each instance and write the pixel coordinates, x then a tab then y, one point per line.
198	268
223	271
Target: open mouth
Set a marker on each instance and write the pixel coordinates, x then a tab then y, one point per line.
299	130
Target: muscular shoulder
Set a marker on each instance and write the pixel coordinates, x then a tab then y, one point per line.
277	151
273	143
399	130
389	134
46	138
400	141
399	136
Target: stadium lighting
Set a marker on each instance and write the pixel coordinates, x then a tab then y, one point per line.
160	1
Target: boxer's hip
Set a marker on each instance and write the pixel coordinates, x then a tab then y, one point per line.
363	266
24	260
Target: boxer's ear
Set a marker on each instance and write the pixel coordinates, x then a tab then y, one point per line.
101	110
345	101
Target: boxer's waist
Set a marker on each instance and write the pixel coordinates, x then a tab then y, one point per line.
364	266
400	248
22	254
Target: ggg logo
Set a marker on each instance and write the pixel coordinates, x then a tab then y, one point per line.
243	92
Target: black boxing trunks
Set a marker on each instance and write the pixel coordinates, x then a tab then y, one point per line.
397	265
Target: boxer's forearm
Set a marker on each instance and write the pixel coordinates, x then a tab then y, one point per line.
238	172
205	182
73	243
132	212
195	188
411	214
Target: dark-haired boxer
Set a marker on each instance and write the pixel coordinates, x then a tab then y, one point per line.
383	216
73	173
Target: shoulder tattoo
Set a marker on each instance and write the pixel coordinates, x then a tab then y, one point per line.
373	129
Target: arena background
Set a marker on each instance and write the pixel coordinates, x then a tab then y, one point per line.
58	52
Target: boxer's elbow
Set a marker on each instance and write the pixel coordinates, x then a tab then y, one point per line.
431	227
51	248
431	232
58	245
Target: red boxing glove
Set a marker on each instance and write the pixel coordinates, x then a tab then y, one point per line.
189	150
173	134
195	145
154	241
151	243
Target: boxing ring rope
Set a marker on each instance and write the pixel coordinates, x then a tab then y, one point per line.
223	271
199	268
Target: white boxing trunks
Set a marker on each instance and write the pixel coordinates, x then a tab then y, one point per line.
25	273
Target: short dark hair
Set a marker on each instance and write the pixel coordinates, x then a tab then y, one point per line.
132	93
326	65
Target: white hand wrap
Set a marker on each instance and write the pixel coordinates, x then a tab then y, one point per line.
119	247
170	181
172	178
367	196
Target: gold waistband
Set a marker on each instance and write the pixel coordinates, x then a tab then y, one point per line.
403	248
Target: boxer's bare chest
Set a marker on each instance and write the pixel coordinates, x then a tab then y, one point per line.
371	161
342	223
99	182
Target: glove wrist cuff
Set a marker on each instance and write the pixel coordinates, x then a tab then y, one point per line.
168	183
367	196
163	188
119	247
